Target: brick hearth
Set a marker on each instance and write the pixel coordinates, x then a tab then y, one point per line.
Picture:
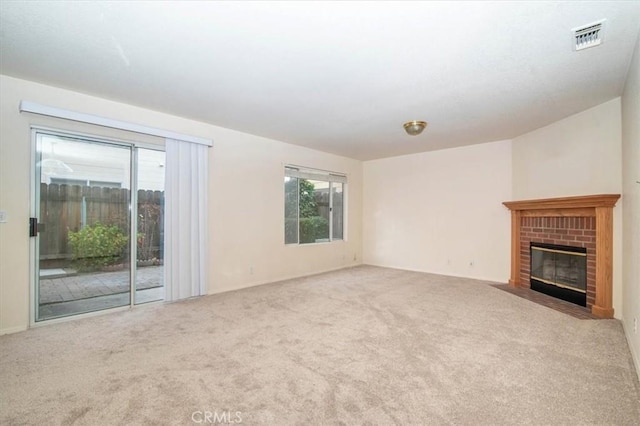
585	221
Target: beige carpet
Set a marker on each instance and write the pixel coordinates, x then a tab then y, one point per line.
364	345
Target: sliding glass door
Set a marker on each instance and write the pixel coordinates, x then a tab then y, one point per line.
86	233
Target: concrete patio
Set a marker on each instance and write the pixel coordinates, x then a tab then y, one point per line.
69	293
83	286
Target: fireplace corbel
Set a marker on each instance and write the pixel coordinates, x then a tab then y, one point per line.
599	207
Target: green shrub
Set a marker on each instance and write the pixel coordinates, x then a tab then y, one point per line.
96	246
313	229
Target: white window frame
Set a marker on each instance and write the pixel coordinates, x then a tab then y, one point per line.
299	172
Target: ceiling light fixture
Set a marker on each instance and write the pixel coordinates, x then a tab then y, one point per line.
414	128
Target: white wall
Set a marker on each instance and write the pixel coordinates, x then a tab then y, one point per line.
440	211
246	196
248	215
631	196
579	155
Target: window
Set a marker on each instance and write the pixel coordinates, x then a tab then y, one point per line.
313	206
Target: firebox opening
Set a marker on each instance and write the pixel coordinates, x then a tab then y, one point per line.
559	271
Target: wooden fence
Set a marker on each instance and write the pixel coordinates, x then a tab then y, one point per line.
65	208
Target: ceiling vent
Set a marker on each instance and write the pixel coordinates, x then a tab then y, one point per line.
588	35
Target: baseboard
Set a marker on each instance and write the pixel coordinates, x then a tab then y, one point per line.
11	330
635	356
283	278
446	274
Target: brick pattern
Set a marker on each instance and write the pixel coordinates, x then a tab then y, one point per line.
568	231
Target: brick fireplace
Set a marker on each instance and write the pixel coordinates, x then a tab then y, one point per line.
584	222
567	231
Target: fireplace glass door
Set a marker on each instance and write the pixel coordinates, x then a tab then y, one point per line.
560	271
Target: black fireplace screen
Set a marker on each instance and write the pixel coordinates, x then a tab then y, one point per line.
560	266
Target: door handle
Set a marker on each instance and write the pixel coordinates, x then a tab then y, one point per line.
35	227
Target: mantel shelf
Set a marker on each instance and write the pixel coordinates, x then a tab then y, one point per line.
579	202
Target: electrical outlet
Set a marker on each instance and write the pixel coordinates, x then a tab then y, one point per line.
635	325
3	216
250	270
471	263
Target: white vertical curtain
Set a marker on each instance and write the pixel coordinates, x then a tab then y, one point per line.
185	243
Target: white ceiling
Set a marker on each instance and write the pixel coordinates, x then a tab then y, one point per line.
340	77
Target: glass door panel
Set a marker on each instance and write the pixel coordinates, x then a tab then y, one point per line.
150	226
83	241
